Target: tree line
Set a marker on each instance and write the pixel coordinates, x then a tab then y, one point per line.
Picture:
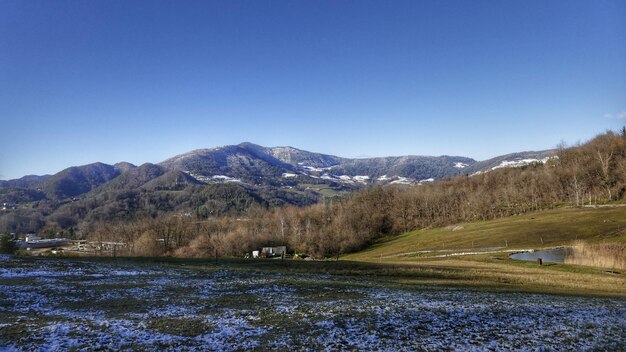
589	173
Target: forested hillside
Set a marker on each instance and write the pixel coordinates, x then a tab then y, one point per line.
73	199
591	173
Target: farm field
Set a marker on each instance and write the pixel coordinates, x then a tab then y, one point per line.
64	304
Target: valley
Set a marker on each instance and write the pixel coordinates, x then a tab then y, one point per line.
419	266
312	176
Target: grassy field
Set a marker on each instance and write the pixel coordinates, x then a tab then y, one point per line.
477	254
536	230
66	304
323	189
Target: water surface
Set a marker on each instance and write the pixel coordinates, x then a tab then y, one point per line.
553	255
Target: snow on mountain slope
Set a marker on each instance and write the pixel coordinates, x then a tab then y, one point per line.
520	162
510	160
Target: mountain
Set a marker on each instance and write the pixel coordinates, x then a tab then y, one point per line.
297	157
24	182
12	196
217	181
136	177
245	162
251	163
259	166
124	166
413	167
511	160
77	180
171	180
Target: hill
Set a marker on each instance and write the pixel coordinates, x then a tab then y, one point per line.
264	176
252	163
77	180
24	182
245	162
412	168
591	174
511	160
297	157
529	231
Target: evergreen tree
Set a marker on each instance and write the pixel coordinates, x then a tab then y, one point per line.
7	244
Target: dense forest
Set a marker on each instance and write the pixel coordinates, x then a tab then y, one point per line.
584	174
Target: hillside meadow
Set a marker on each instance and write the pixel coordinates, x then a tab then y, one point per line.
477	254
550	228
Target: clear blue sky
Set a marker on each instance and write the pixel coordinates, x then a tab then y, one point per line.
140	81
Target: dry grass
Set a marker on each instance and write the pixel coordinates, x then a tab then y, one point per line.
604	255
496	274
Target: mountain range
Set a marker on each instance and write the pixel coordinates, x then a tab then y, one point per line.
218	181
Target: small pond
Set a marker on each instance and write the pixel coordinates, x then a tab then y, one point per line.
553	255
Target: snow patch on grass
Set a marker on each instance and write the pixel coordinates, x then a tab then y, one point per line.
117	306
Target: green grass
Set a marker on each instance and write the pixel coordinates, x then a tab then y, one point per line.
536	230
494	270
322	189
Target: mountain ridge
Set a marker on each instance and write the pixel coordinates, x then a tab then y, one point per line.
203	181
218	160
